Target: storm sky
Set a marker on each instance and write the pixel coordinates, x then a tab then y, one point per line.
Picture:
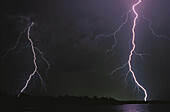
66	30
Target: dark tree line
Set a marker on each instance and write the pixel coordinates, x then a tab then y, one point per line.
26	100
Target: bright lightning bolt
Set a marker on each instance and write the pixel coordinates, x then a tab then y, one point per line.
33	48
133	52
132	41
34	55
133	49
35	64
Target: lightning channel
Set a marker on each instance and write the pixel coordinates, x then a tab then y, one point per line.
133	49
34	61
34	55
33	48
132	52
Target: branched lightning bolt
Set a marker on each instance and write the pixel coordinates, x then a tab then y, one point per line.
133	52
133	49
132	41
35	64
34	55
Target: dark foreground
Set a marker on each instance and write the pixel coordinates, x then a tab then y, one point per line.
78	104
94	108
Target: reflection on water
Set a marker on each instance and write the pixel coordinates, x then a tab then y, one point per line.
103	108
133	108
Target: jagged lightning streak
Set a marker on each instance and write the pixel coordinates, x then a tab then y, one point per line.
133	49
132	52
132	41
35	64
34	55
33	48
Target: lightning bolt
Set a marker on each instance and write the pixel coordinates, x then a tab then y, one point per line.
33	48
133	49
131	42
34	61
133	52
34	55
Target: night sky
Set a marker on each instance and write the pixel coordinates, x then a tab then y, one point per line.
66	30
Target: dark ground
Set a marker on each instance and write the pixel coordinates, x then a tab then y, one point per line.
63	103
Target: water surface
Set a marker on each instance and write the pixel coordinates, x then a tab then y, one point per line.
104	108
